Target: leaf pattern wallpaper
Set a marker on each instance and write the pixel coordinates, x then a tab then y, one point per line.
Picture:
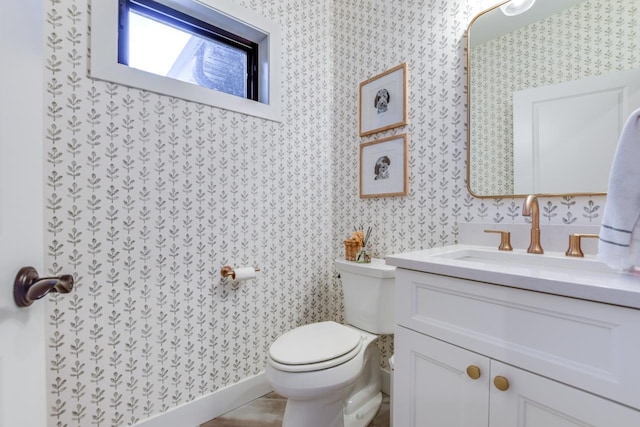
148	196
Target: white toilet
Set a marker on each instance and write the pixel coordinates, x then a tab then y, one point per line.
329	372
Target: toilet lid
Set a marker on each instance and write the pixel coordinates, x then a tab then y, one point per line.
314	343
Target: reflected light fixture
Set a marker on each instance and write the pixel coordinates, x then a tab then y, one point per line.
516	7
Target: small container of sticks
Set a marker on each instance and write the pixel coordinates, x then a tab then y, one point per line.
363	255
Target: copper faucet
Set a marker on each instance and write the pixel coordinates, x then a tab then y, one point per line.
531	208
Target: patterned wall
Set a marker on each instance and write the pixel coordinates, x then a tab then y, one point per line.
371	37
589	39
147	196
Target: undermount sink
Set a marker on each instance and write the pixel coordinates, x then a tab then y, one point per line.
551	260
551	272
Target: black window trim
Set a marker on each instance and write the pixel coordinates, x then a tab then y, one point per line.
167	15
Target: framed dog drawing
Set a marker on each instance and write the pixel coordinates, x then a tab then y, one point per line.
383	101
384	167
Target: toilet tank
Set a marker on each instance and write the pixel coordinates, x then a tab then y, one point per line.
368	294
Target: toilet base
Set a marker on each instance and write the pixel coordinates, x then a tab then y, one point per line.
329	413
326	412
365	414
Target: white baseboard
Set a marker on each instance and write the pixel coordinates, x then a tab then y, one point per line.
212	405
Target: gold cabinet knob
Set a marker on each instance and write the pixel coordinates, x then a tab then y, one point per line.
473	371
501	383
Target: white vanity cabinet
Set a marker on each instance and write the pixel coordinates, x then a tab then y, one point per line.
562	361
431	386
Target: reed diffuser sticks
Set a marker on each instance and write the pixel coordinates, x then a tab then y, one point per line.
366	237
363	255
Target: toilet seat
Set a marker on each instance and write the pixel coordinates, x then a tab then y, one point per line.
314	347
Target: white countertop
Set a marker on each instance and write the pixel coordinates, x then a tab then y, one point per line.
553	272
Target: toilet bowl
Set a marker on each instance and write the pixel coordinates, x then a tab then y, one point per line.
330	373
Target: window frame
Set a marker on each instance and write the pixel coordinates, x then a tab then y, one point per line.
221	14
165	15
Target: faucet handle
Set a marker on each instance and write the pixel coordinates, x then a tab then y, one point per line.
505	239
574	244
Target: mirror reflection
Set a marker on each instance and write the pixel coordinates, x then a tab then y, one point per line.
549	92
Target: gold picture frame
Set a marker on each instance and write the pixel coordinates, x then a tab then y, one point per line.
383	101
384	167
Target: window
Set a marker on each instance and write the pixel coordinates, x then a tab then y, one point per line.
163	41
224	56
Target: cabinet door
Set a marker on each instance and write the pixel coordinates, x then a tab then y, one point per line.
431	385
535	401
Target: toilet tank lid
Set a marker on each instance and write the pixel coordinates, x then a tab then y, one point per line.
314	343
376	268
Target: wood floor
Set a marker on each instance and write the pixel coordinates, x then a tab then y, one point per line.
267	411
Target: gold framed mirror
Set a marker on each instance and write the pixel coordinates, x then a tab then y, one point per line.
548	93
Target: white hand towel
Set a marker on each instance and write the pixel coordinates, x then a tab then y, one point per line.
619	245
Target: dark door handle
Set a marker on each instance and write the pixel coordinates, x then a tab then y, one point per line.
28	287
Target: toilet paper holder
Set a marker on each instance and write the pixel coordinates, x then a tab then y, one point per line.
228	271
